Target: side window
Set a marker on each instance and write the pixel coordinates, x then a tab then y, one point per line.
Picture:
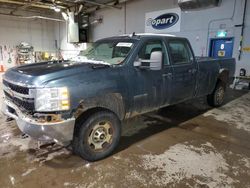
180	52
152	46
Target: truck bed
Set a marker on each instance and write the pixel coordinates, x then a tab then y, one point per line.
224	63
209	69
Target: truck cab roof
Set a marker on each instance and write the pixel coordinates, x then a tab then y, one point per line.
148	34
137	36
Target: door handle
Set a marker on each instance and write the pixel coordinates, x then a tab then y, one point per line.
192	71
167	75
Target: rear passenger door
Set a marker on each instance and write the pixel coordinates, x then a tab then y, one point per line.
184	70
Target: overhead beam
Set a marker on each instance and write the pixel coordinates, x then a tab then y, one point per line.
23	7
32	17
93	9
101	4
37	5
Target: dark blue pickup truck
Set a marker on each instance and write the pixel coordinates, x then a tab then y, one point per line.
84	100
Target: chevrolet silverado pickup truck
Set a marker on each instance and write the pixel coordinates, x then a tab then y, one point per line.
83	101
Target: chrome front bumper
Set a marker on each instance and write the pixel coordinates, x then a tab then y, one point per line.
61	132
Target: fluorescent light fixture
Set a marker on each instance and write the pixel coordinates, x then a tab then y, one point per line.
56	9
85	25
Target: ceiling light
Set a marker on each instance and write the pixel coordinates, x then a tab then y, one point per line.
56	9
85	25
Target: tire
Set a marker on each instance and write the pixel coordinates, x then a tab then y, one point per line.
96	137
216	99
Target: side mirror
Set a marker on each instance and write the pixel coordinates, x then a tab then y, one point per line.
154	63
156	60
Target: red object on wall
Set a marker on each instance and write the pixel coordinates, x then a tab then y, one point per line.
1	68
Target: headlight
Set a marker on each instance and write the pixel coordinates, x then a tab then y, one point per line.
52	99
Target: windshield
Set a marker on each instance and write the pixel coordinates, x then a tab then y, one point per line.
111	52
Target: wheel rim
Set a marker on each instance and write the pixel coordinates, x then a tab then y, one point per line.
220	95
100	136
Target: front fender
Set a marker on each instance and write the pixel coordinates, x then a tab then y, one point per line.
111	101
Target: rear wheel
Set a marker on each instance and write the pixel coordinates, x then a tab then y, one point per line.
97	136
216	99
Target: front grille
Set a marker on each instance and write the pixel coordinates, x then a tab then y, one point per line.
16	88
26	104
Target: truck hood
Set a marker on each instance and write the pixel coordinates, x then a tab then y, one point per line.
38	74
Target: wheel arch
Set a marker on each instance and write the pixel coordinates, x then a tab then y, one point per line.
223	76
112	102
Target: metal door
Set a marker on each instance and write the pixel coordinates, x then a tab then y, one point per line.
221	48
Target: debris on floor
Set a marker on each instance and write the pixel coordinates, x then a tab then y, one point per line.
235	113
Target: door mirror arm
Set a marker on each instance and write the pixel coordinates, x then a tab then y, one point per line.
139	64
154	63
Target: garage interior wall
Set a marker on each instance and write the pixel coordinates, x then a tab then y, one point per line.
39	33
36	32
198	26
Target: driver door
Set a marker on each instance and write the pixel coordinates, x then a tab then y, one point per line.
147	84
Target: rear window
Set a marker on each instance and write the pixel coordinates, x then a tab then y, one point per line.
180	52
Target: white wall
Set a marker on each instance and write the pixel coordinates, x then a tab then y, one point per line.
198	26
127	20
39	33
245	62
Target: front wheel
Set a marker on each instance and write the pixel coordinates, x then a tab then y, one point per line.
97	136
216	99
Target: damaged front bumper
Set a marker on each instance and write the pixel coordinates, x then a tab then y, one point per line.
60	132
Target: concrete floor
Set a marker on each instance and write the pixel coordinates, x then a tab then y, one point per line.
187	145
